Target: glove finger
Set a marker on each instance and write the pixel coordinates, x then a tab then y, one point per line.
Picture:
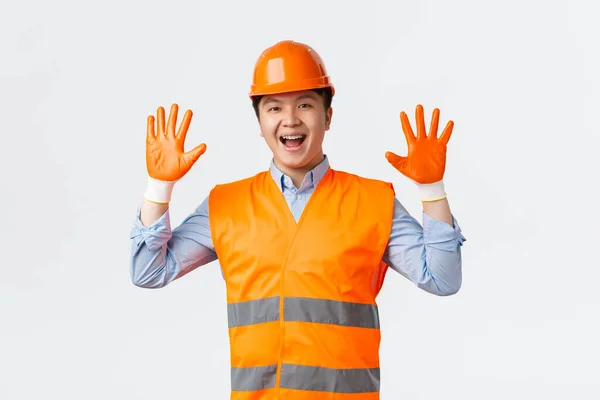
193	155
150	135
185	124
433	128
408	132
445	136
420	120
397	161
160	117
172	120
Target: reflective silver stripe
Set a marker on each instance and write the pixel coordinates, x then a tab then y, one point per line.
331	312
355	380
253	378
253	312
303	309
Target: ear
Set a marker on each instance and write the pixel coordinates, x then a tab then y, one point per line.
259	126
328	118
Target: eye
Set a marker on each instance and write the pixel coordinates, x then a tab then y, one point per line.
305	105
274	108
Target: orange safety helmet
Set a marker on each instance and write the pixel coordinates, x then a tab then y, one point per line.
289	66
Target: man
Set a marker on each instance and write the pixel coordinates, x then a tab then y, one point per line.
303	248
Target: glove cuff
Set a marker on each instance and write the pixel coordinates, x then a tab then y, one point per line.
159	191
431	191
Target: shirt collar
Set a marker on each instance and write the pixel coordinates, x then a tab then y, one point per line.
312	177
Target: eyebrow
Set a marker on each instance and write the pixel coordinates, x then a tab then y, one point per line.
302	96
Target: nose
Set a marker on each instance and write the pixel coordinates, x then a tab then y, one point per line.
290	117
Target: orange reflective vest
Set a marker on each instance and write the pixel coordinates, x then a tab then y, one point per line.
303	320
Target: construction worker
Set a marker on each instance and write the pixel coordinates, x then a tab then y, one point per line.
303	248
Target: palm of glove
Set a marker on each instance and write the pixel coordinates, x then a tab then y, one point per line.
166	159
426	159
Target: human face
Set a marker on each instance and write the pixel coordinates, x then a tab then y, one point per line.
293	125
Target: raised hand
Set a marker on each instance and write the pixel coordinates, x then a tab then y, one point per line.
426	159
165	156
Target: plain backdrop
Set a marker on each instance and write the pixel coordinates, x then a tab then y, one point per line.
520	80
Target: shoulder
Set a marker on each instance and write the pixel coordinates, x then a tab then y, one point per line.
240	183
230	194
370	184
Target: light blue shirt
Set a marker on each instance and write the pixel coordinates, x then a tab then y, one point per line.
428	255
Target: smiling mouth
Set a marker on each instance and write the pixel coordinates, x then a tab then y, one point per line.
292	140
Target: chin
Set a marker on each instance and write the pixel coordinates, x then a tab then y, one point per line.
295	157
293	162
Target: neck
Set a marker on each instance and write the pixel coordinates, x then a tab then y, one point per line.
297	174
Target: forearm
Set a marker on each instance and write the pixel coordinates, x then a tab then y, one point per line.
151	264
441	271
151	212
428	255
439	209
156	200
151	268
159	255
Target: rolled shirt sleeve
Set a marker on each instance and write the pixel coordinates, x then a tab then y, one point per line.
428	255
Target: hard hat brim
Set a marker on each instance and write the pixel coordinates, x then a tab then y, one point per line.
285	87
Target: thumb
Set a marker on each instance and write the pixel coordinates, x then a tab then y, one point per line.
397	161
193	155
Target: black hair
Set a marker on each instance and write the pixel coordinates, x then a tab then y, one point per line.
325	94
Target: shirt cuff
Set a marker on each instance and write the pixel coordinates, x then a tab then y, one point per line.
156	235
440	235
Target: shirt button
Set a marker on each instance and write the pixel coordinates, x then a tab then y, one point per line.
287	181
298	197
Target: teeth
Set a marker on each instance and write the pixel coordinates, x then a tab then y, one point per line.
293	137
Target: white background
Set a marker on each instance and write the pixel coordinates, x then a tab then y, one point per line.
78	79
